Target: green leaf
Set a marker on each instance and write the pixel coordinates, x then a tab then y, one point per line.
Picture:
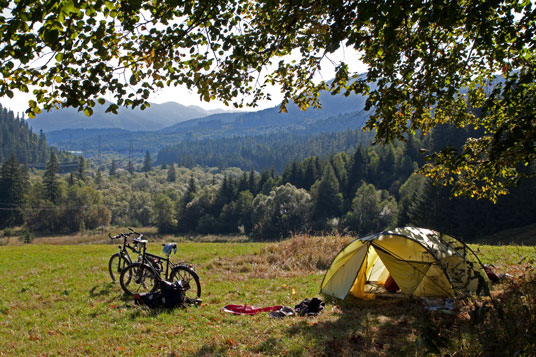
51	37
110	5
88	112
69	7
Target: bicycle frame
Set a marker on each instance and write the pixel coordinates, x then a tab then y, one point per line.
123	249
159	259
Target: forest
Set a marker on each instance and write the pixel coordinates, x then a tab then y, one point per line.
362	189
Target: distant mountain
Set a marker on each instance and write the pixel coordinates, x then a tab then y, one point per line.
156	117
338	113
270	120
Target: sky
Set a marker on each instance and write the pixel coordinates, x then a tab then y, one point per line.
182	95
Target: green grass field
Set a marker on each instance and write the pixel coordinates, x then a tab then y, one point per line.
58	300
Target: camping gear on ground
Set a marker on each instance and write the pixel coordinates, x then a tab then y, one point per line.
440	305
311	307
249	310
284	311
170	295
421	262
173	294
152	300
305	308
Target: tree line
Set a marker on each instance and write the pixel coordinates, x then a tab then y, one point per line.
260	151
369	189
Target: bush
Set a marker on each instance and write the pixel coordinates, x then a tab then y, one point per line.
9	232
26	237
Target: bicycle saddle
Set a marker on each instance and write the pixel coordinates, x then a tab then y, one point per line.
142	241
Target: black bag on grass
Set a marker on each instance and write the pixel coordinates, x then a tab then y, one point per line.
170	295
311	307
152	300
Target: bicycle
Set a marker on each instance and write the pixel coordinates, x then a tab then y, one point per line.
145	276
119	261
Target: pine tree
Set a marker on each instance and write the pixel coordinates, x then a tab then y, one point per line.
192	187
11	193
243	182
82	169
71	179
357	172
147	164
172	173
252	182
327	201
113	168
98	178
130	167
50	180
43	147
310	174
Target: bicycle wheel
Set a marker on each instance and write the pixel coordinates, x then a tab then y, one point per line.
138	278
189	280
116	264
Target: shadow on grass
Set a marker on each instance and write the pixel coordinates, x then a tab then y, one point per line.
385	326
101	290
503	325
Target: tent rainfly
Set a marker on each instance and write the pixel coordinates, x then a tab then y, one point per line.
422	262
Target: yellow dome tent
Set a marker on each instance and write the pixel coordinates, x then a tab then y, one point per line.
422	262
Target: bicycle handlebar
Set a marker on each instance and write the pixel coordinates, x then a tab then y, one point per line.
120	235
134	232
125	235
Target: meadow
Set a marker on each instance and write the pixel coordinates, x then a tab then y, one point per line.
58	300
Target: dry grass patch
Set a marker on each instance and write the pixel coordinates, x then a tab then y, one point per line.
298	255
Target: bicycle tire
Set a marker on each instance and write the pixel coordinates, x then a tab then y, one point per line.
116	264
186	276
138	278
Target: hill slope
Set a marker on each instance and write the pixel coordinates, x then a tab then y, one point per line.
156	117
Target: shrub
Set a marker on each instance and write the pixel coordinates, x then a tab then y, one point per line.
26	237
9	232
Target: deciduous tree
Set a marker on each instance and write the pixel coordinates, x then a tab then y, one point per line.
466	63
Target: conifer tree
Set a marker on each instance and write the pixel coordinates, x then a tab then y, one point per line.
11	193
192	187
130	166
71	179
98	178
357	172
82	168
310	174
327	201
171	173
147	164
252	182
243	182
113	168
50	179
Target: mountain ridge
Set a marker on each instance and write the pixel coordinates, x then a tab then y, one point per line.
156	117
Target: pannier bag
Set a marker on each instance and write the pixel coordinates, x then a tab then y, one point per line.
170	295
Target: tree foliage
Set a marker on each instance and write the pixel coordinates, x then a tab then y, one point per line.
429	62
